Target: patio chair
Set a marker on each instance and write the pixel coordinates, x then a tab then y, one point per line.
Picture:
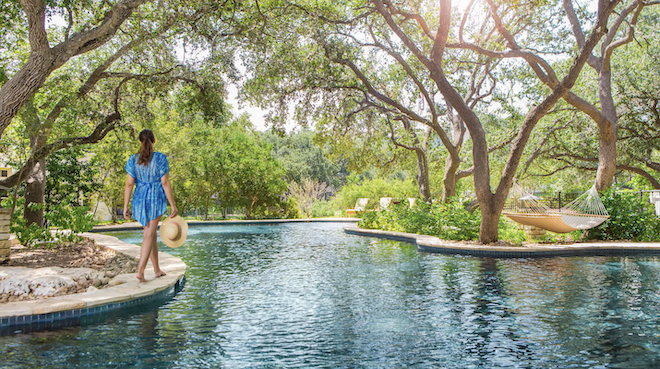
385	203
411	202
360	205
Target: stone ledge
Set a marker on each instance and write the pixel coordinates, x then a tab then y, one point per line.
433	244
129	289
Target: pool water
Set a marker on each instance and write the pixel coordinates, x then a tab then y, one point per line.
308	295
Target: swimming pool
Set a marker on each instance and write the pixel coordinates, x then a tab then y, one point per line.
308	295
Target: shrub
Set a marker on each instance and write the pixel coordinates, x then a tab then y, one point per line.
62	217
76	218
511	232
449	221
29	235
322	209
286	209
631	218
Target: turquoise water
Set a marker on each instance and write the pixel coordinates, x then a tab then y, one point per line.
308	295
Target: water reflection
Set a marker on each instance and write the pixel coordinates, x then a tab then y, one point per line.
308	295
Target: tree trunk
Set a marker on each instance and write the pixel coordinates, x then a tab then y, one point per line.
35	194
453	160
606	158
490	219
113	212
423	176
606	118
449	179
35	189
608	130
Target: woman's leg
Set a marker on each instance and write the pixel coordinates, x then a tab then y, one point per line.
148	239
154	259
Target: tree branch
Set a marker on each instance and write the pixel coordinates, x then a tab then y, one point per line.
464	173
85	41
640	172
101	130
35	11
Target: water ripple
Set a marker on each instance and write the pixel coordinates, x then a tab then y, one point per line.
308	295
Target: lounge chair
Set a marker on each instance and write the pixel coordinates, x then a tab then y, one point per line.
360	205
385	203
411	202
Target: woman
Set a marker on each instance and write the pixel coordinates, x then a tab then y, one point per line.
148	171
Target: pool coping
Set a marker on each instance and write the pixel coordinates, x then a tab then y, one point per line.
130	292
432	244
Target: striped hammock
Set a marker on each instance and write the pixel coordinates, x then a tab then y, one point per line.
587	211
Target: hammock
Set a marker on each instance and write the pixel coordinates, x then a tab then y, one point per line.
585	212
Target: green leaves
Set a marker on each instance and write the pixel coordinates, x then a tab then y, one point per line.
449	221
632	218
62	216
219	167
70	178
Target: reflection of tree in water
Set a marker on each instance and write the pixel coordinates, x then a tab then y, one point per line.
377	301
618	298
577	309
149	332
495	339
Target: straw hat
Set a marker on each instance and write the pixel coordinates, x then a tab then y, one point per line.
173	231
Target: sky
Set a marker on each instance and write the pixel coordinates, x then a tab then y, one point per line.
238	108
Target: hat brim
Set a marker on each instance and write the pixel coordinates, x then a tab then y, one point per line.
173	222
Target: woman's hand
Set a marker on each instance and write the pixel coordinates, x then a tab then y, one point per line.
127	214
174	211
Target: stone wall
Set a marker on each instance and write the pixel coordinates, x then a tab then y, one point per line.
533	233
4	235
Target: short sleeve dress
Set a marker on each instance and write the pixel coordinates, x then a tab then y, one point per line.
149	201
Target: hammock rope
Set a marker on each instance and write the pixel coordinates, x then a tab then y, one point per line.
585	212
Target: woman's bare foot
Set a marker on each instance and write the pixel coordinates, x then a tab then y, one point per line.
140	278
160	274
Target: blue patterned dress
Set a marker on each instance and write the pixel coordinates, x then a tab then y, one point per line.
149	201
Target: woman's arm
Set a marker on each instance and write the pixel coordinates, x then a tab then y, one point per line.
128	189
167	186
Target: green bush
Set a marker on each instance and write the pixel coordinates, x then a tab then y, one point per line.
511	232
61	217
631	218
321	209
75	218
29	235
450	221
287	209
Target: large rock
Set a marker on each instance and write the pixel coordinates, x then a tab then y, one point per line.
42	282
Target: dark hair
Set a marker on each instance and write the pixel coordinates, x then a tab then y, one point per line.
147	141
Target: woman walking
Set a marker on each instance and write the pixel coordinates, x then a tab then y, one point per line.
148	171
